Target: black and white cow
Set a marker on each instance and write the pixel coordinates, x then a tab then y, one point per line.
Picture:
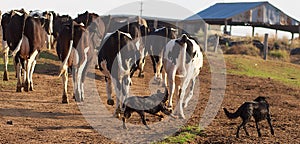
136	27
5	19
78	55
5	49
25	37
156	41
182	58
117	55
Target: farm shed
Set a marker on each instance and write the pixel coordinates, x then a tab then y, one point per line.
255	14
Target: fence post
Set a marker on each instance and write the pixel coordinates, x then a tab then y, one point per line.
266	46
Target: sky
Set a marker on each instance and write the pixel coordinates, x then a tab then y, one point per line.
161	8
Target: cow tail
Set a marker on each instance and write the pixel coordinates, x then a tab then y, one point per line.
17	49
64	66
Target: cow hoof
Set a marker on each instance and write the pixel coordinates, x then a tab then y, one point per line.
31	89
19	89
65	99
110	102
26	88
5	76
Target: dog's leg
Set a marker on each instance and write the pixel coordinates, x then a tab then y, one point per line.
160	115
239	127
270	124
244	127
142	114
257	128
127	115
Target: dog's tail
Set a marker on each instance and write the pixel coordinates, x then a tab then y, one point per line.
232	115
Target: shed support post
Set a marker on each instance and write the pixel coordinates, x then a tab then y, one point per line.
253	31
205	36
266	46
225	27
155	23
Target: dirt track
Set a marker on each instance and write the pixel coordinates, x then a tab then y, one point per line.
39	116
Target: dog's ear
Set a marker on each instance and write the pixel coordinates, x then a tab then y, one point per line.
260	98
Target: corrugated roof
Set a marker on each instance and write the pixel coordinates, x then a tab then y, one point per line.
225	10
257	14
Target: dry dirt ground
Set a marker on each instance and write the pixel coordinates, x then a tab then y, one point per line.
39	116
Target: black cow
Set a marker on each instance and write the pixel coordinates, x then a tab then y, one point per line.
25	37
117	55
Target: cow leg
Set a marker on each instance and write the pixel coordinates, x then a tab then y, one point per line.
158	74
48	41
29	70
171	83
65	99
75	75
182	94
5	60
110	101
26	76
30	75
80	77
142	62
19	76
191	93
153	59
118	96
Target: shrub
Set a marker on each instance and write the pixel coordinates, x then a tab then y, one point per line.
244	49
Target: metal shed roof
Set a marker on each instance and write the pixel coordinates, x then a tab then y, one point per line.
257	14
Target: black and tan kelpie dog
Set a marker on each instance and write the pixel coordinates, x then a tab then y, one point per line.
153	104
259	109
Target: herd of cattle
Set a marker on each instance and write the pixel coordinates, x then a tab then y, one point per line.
120	45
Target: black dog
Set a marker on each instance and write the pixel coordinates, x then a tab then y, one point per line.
150	104
259	109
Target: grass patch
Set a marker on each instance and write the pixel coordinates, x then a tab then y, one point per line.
283	72
185	135
48	55
280	55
